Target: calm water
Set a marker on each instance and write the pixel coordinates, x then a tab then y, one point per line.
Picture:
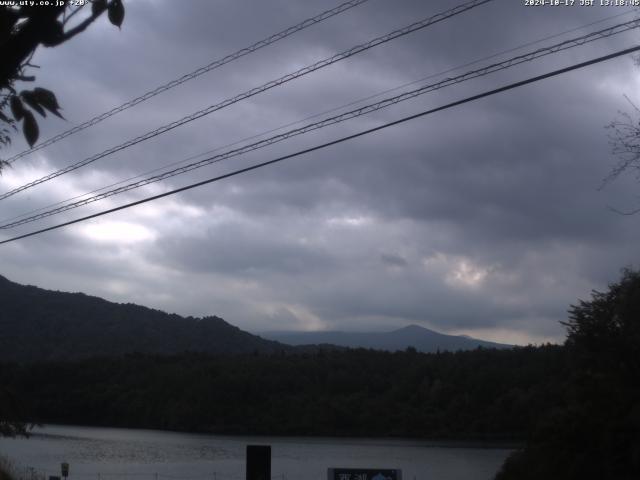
123	454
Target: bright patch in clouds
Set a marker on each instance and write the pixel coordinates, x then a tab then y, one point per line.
466	274
117	232
508	336
350	221
457	271
303	319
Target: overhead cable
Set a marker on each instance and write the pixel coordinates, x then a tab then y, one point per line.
527	57
254	91
194	74
495	91
315	115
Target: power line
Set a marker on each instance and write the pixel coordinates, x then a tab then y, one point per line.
315	115
254	91
194	74
495	91
527	57
340	118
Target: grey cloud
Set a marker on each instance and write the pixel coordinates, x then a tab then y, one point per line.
393	260
378	231
234	249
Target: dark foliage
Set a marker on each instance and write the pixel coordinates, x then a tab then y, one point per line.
597	433
38	324
23	28
481	394
577	405
5	474
12	413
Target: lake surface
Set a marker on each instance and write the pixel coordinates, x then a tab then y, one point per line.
125	454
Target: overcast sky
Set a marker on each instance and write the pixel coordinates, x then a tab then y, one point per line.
485	219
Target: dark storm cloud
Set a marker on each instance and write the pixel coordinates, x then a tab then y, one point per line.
393	260
485	218
244	250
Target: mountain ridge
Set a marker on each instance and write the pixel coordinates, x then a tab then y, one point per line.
37	324
421	338
46	325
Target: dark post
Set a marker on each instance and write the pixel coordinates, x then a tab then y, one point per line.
64	469
258	462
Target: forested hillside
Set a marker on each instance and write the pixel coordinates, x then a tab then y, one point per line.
39	325
482	394
577	405
595	432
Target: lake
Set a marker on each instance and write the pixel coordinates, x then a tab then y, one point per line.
126	454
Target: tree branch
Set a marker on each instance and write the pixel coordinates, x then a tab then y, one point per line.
70	16
81	27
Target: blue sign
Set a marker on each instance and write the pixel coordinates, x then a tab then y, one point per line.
363	474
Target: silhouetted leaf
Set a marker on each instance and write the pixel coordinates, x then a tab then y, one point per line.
17	109
116	12
31	100
8	18
98	6
48	100
30	128
52	33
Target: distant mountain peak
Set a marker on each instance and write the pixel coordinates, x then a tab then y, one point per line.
413	328
421	338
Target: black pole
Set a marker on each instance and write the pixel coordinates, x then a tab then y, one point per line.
258	462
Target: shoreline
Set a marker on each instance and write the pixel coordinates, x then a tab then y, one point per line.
475	443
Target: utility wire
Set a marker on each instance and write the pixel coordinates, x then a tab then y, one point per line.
541	52
254	91
488	93
315	115
196	73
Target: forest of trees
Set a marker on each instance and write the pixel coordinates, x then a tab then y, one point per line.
481	394
45	325
595	433
574	407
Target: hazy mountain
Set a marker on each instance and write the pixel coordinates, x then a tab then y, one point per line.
422	339
38	324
